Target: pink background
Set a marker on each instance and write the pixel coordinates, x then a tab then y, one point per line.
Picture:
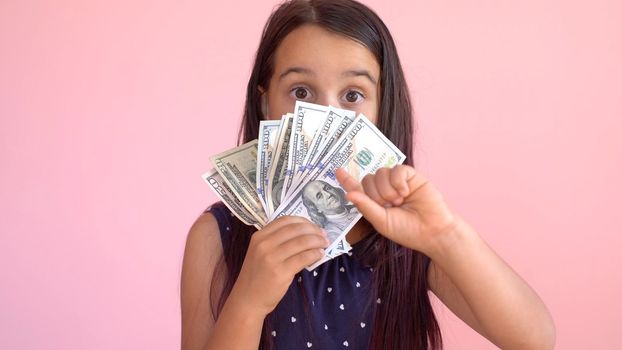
110	109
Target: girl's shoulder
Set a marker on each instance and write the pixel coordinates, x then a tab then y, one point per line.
222	216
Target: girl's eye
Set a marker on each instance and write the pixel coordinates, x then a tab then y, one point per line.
354	96
301	93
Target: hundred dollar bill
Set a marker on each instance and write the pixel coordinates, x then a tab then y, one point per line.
361	150
341	247
268	137
336	121
333	253
238	168
308	117
279	164
216	182
334	133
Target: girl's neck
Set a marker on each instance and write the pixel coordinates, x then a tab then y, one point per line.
360	230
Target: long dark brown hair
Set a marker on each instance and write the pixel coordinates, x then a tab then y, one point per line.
405	319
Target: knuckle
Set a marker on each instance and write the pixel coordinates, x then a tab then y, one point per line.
255	240
306	257
278	220
314	255
261	248
318	253
369	186
314	228
270	261
382	171
293	227
397	176
303	241
313	241
306	227
297	219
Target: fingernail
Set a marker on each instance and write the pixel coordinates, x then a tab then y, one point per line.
324	233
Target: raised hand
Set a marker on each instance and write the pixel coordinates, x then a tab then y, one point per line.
401	204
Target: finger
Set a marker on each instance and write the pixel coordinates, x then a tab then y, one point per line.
299	244
399	178
385	188
369	188
374	212
279	223
347	181
291	231
297	262
415	181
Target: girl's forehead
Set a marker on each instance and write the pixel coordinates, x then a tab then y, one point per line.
319	51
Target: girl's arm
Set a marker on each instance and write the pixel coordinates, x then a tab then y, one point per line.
275	254
236	328
481	289
465	272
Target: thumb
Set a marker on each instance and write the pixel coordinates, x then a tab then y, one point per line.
371	210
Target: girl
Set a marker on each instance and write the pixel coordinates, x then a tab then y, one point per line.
242	289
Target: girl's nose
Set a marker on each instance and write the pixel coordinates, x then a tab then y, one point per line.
328	100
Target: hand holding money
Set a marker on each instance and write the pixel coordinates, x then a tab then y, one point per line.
401	204
275	254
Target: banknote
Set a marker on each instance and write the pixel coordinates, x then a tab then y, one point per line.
336	121
308	117
238	168
279	164
329	141
361	150
224	192
290	170
267	142
342	246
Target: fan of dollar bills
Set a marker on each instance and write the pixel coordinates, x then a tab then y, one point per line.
290	170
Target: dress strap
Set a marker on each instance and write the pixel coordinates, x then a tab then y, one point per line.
223	217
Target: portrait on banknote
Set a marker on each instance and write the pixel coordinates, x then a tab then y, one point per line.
327	207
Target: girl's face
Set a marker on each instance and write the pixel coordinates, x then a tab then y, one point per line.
314	65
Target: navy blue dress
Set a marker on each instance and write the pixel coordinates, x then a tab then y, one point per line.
330	307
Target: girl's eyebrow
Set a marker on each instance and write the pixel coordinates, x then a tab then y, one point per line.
299	70
358	73
349	73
